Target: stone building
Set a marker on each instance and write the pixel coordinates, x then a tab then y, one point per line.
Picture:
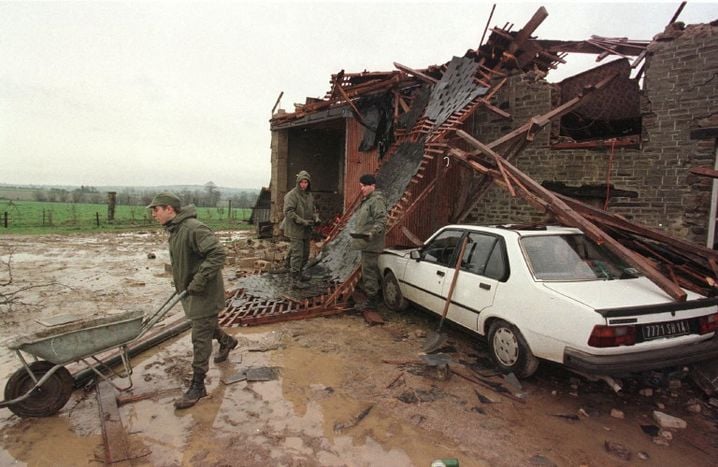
627	149
647	170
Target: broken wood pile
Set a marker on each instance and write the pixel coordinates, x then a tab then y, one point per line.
669	262
429	107
691	266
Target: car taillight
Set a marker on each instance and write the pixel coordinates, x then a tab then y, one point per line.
612	336
708	324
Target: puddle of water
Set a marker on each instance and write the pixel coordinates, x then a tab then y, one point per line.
45	441
317	380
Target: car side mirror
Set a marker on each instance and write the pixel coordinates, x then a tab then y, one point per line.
415	254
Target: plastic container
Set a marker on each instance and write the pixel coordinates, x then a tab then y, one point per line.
447	462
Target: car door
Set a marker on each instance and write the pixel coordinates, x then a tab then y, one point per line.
424	278
483	267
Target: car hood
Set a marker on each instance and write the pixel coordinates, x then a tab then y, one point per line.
614	293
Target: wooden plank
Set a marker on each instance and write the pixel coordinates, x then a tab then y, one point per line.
418	74
495	109
704	171
638	229
114	436
573	218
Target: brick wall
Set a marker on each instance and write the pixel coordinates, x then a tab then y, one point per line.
680	94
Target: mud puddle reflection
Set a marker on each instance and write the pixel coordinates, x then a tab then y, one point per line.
320	410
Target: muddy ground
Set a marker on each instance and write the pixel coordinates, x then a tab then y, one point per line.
341	395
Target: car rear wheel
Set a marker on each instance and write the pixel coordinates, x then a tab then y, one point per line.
393	298
510	351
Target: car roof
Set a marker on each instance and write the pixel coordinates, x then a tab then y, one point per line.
522	230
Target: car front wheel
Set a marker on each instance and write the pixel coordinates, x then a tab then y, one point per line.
393	298
510	351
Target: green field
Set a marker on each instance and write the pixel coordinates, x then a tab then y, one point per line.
35	217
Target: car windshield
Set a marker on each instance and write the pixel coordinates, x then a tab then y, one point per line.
573	257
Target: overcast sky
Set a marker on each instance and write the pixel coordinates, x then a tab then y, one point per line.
150	93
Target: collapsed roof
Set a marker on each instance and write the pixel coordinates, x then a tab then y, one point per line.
427	108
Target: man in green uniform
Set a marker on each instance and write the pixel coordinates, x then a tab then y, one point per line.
300	215
197	258
369	238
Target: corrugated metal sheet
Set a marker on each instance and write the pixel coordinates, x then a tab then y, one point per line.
441	206
357	163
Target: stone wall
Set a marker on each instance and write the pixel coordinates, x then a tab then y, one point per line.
679	94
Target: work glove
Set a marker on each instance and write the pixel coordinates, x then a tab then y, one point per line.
317	220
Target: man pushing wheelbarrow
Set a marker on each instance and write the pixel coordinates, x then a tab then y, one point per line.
197	258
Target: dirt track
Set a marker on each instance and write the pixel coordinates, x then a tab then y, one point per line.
335	400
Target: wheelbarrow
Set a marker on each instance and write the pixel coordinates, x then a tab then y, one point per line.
42	387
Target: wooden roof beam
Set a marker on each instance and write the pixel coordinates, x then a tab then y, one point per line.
569	216
415	73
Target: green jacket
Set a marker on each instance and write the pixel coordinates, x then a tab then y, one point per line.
299	210
197	259
371	219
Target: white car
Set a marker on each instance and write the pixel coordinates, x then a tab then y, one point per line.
552	294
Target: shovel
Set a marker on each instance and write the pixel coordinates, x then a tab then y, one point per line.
435	340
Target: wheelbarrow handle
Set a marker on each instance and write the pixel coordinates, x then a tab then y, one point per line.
152	319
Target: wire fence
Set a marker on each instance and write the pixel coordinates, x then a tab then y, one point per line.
29	216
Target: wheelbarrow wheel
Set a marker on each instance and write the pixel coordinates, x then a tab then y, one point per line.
45	400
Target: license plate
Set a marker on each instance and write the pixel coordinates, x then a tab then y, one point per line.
669	329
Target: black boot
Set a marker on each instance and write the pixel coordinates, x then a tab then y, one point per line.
195	392
224	349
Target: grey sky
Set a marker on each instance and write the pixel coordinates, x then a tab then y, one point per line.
150	93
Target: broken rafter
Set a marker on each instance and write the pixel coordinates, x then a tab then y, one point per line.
491	15
704	171
495	109
539	122
562	210
518	138
338	87
415	73
497	159
617	222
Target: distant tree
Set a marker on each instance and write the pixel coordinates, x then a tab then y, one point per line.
213	194
78	195
58	195
40	195
127	197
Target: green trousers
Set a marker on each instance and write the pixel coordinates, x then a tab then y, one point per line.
203	331
298	254
370	275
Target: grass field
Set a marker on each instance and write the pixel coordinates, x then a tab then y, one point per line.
34	217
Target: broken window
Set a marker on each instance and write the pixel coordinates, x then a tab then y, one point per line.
611	113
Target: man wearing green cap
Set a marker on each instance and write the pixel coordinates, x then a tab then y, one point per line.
300	215
197	259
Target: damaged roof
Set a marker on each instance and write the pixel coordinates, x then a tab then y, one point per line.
429	107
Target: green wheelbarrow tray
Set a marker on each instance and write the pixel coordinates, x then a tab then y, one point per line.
43	386
70	342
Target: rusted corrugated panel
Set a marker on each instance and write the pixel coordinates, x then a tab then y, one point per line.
439	208
357	162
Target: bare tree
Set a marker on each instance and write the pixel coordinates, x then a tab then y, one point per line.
10	292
